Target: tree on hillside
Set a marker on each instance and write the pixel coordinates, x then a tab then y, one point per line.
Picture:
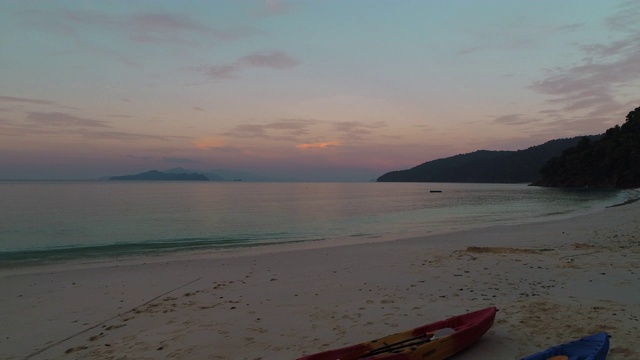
611	162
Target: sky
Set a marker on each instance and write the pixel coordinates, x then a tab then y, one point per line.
326	90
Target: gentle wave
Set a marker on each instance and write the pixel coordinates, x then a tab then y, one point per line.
61	221
118	250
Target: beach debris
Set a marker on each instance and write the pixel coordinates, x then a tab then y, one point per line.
504	250
77	348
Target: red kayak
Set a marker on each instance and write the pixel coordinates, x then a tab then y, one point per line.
436	341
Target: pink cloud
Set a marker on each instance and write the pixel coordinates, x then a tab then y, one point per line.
355	130
146	27
159	22
626	19
274	7
178	160
162	27
513	119
275	59
209	143
586	94
285	129
218	72
59	119
20	100
26	100
320	145
118	135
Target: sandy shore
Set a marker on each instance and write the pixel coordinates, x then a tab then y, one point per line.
551	281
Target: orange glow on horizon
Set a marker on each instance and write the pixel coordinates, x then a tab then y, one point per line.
209	143
321	145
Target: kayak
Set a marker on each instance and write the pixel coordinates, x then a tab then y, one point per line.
435	341
593	347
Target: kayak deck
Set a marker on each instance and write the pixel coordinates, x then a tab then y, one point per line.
430	341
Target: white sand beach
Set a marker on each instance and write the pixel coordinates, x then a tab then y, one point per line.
552	282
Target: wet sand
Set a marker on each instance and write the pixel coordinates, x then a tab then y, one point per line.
552	282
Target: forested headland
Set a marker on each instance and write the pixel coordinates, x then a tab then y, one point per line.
484	166
613	161
609	160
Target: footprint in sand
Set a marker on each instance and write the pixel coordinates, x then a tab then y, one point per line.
78	348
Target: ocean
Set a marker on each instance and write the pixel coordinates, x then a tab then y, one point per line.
44	222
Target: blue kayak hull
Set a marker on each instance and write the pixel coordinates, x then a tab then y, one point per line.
593	347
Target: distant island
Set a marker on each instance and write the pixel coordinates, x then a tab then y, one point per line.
155	175
182	174
226	175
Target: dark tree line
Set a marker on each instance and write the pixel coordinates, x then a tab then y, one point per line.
611	162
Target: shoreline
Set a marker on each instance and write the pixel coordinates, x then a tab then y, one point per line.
552	281
630	201
137	245
265	248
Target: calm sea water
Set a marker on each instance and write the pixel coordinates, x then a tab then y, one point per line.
53	221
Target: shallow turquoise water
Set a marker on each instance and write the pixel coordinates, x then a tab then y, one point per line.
48	221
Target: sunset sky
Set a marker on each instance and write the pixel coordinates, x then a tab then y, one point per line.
308	90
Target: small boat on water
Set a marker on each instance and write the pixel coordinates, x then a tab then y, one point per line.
593	347
435	341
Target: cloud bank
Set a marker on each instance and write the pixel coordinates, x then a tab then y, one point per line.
274	59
